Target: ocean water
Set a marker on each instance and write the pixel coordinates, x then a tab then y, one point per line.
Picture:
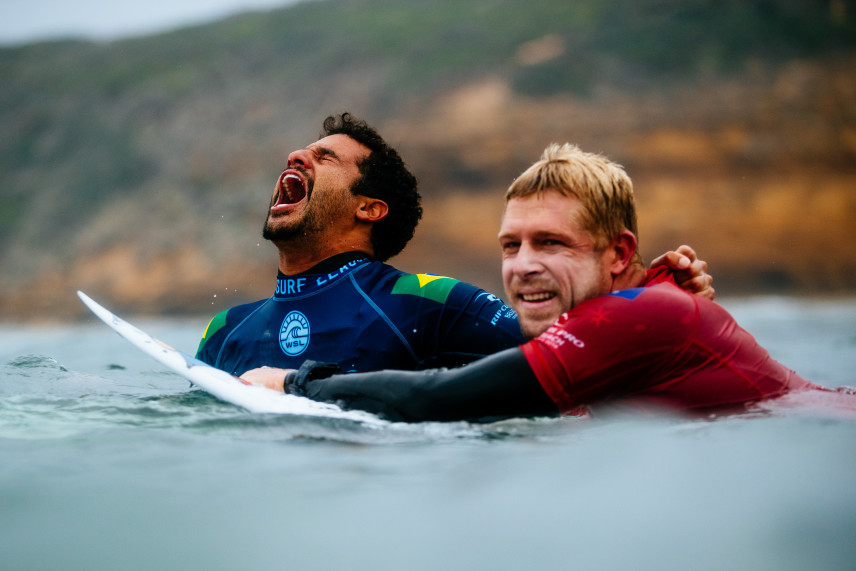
108	461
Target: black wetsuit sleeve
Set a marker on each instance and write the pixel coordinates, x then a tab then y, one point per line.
499	386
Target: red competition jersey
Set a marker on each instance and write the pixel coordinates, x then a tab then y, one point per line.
654	346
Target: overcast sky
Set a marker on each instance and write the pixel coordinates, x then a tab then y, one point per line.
23	21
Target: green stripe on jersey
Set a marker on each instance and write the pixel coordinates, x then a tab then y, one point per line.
214	326
435	288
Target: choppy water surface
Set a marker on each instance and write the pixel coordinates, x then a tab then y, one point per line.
111	462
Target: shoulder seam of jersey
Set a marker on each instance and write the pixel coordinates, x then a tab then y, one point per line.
385	317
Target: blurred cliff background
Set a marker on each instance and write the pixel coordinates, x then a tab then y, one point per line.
140	170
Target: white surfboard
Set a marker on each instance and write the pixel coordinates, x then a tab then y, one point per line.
219	383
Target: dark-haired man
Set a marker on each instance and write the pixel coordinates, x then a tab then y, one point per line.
345	204
605	333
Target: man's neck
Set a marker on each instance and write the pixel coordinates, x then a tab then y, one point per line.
299	254
633	276
297	262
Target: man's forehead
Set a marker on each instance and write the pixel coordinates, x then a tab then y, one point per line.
532	212
547	201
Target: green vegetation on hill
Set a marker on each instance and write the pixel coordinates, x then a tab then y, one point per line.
638	44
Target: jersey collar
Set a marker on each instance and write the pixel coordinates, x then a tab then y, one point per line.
319	276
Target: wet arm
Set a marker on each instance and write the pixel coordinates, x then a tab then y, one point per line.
499	386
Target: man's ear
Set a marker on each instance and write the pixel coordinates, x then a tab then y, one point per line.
372	209
624	249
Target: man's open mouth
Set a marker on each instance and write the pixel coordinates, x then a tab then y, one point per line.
291	188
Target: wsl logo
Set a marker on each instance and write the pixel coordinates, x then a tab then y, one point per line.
294	334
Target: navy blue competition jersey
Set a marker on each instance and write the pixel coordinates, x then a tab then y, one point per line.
365	316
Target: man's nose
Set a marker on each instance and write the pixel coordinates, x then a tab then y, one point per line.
527	261
299	158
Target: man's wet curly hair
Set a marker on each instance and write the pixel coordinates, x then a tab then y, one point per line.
385	177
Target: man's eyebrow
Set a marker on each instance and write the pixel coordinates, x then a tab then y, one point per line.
324	152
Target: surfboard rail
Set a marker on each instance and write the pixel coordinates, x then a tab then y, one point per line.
221	384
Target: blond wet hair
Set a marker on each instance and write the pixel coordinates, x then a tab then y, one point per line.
602	186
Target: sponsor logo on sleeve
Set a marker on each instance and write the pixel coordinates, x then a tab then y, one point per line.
556	337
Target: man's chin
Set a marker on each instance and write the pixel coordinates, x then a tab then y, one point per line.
532	328
536	320
281	232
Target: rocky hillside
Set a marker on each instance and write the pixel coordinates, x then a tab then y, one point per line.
139	170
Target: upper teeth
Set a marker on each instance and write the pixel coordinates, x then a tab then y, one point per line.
285	186
537	296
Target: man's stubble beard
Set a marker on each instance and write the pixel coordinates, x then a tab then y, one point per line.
534	328
291	231
310	224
